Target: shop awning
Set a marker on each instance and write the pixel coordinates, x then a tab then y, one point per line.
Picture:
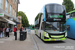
10	22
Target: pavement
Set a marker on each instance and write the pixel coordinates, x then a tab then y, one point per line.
12	44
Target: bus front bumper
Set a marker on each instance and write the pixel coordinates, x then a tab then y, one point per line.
50	39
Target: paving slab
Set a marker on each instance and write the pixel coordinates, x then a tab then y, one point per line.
12	44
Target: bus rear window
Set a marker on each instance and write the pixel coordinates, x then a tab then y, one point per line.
68	27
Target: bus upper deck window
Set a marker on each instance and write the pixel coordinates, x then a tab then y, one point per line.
73	15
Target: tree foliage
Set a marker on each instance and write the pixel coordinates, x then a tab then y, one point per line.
68	4
25	22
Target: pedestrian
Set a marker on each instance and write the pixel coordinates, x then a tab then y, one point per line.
1	35
15	32
0	32
7	31
25	28
3	32
21	29
29	30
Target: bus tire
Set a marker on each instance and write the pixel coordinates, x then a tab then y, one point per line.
40	35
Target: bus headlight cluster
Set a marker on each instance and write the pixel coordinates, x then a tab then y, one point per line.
66	33
46	34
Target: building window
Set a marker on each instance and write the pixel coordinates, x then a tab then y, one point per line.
1	4
13	1
16	0
13	12
10	9
6	6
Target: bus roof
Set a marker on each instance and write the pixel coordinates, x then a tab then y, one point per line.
52	3
71	11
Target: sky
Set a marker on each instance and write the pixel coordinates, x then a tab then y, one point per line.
32	7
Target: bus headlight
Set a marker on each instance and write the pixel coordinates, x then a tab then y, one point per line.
66	34
46	34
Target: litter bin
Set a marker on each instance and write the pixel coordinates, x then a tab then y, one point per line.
23	35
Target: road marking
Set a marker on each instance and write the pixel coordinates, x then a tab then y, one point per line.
64	47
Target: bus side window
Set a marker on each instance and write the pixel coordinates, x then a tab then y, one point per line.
42	26
73	14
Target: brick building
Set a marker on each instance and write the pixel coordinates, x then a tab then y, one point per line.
8	13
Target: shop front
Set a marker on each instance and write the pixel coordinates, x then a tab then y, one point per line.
4	22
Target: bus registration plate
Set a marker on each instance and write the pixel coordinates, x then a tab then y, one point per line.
57	39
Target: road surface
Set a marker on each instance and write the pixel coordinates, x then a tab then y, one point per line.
69	44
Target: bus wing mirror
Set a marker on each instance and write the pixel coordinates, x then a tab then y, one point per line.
43	19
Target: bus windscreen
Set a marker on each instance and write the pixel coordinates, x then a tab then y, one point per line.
55	27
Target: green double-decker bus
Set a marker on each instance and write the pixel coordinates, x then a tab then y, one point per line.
50	23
